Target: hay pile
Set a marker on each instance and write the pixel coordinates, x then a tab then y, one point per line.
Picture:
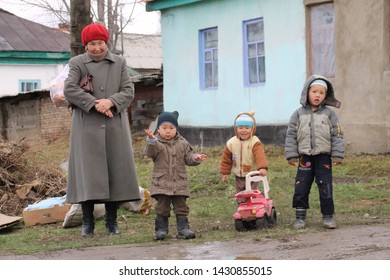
23	183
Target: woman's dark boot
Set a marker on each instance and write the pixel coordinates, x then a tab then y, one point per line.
161	227
88	221
183	228
110	218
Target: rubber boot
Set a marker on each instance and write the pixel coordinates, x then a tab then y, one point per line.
183	228
88	221
161	227
110	218
300	218
328	221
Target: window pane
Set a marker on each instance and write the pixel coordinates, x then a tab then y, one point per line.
215	55
261	64
215	74
208	75
207	56
255	31
211	38
260	49
252	70
252	50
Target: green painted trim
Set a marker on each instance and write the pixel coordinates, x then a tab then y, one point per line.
35	61
15	57
166	4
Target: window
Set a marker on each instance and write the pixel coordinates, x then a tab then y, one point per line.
254	55
322	42
29	85
208	41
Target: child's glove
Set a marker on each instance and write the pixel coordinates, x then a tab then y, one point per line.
337	160
293	161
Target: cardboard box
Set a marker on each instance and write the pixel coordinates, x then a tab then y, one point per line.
46	215
8	221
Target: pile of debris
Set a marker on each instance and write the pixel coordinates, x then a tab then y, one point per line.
23	183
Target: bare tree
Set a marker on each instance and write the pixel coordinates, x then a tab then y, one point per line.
60	9
103	11
80	17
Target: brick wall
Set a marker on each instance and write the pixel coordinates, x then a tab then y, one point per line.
55	122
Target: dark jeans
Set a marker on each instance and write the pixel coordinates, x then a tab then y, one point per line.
163	207
320	168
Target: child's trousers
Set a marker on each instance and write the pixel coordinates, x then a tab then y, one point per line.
320	168
163	207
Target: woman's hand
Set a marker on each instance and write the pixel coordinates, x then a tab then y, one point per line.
104	106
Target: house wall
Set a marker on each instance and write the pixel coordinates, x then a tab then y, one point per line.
362	68
11	74
284	23
362	80
33	117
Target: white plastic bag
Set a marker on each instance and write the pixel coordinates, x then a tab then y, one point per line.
74	216
57	88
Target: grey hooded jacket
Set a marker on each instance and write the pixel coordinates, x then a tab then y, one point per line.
315	132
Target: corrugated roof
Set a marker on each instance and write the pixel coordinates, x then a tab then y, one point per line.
18	34
142	51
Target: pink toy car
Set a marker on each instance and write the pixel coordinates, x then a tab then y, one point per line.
258	211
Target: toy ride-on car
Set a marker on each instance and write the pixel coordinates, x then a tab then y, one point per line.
257	211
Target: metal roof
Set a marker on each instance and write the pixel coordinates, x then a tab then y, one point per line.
18	34
142	51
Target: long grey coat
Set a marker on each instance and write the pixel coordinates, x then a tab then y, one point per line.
101	160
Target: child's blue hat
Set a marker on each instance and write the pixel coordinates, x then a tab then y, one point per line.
244	120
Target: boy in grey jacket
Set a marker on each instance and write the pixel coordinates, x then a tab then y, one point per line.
314	140
171	153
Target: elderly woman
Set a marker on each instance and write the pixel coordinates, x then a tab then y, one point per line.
101	160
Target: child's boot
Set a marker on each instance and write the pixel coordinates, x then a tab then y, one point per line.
328	221
161	227
183	228
300	218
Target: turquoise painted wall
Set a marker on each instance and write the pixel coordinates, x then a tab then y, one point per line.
274	102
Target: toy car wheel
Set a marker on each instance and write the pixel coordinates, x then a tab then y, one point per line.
261	222
239	225
272	218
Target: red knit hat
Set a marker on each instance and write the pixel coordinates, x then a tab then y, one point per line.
94	31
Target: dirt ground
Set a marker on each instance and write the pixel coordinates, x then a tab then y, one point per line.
347	243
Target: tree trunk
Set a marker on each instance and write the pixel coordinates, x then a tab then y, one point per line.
80	16
101	10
